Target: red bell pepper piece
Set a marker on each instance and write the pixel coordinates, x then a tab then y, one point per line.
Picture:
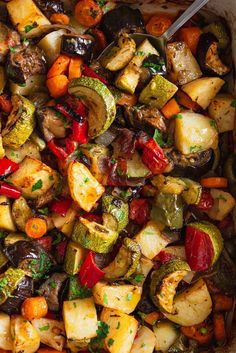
59	152
45	242
92	217
9	191
153	157
165	257
206	201
7	166
199	249
90	273
70	145
65	110
61	206
77	106
87	71
5	104
80	131
139	211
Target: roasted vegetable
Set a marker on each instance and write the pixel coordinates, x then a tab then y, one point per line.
23	290
27	149
6	219
208	57
3	80
223	112
121	19
74	45
220	31
118	208
74	257
26	19
203	90
30	257
120	55
166	334
155	64
54	335
157	92
34	178
25	336
120	297
94	236
9	282
5	332
183	67
8	39
136	168
120	265
51	123
99	100
146	335
224	202
3	259
21	212
20	123
51	45
202	133
33	85
168	184
49	7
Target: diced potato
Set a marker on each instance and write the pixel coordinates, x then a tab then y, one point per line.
122	330
6	220
183	67
203	90
54	335
65	224
146	266
144	341
192	306
121	297
51	45
201	133
80	319
166	334
5	332
34	84
84	188
33	178
151	240
224	202
25	17
223	112
27	149
25	337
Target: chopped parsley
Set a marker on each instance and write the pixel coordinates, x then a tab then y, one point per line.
38	185
44	328
21	84
101	3
233	103
2	234
221	197
118	325
159	139
76	291
97	343
40	267
53	284
203	330
156	67
29	28
142	345
139	278
105	299
139	53
110	342
214	124
129	297
44	211
12	49
58	236
86	180
194	149
178	116
120	172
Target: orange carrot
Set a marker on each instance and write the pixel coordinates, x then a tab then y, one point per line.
222	302
59	67
190	35
49	350
201	333
34	308
219	327
60	18
152	317
100	40
184	100
36	227
158	24
57	85
88	13
170	109
214	182
75	68
127	99
5	103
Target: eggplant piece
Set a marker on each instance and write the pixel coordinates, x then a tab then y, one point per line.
8	39
49	7
155	64
52	123
51	289
193	165
30	257
143	117
122	19
208	57
74	45
25	289
24	62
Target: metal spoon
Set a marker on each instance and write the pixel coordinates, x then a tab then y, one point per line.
160	42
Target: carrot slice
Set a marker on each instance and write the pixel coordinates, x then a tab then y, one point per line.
36	227
219	327
184	100
158	24
34	308
127	99
152	317
88	13
170	109
59	67
57	85
190	35
222	302
201	333
60	18
75	68
214	182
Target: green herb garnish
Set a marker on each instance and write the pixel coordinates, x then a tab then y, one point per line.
29	28
38	185
110	342
105	299
44	328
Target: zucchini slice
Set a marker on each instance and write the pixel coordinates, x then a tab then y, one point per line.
9	281
136	168
94	236
99	100
117	208
75	255
193	193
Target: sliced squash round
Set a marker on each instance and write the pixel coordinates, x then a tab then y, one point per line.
99	100
117	208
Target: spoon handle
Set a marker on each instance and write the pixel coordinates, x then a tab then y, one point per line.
188	13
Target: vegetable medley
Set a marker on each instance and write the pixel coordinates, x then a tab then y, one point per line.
117	181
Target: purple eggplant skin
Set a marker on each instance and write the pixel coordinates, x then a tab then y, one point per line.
208	57
74	45
49	7
122	19
25	289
